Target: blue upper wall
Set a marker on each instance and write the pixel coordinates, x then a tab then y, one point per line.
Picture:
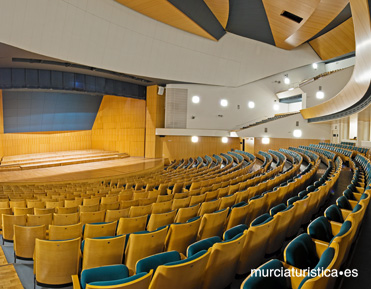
36	111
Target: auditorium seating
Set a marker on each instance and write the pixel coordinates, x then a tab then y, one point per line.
261	205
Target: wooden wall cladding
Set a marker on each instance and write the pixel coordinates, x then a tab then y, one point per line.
1	125
30	143
178	147
164	11
155	118
336	42
277	143
120	125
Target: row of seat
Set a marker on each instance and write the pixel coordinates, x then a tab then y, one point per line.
219	274
326	244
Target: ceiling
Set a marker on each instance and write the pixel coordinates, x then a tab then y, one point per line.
261	20
14	57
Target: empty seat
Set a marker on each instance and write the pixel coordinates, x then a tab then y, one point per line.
4	211
257	237
184	214
89	208
172	272
115	215
56	261
99	229
131	225
158	220
24	240
42	211
212	224
180	203
102	251
209	207
92	217
65	232
69	210
23	211
136	211
180	236
113	276
66	219
8	225
37	220
143	244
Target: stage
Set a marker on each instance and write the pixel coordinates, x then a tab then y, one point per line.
94	169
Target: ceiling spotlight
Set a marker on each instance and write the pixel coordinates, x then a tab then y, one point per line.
286	80
251	104
297	133
265	140
195	99
224	139
224	102
315	65
291	88
194	139
276	106
320	94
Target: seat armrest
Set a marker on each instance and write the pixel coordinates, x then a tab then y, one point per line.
76	282
360	190
357	196
345	213
294	278
321	246
353	203
335	227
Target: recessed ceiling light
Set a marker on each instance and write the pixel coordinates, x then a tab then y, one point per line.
251	104
315	65
276	106
224	102
224	139
195	99
320	94
286	80
291	88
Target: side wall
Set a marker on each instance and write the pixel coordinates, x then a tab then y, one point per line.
178	147
277	143
120	125
30	143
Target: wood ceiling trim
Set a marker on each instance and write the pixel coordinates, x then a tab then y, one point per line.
359	82
316	14
165	12
336	42
220	9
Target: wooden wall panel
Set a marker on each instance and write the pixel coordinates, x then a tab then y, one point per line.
336	42
29	143
277	143
155	118
1	125
120	125
165	12
178	147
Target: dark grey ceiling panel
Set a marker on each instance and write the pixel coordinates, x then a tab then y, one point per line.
344	15
199	12
248	18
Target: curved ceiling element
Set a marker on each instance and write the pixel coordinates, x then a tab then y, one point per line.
316	15
164	11
359	83
220	8
283	23
336	42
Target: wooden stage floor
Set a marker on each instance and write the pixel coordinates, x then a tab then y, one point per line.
82	172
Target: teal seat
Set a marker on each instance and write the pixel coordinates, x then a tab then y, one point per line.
333	213
260	280
102	274
343	203
204	244
233	232
301	252
152	262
